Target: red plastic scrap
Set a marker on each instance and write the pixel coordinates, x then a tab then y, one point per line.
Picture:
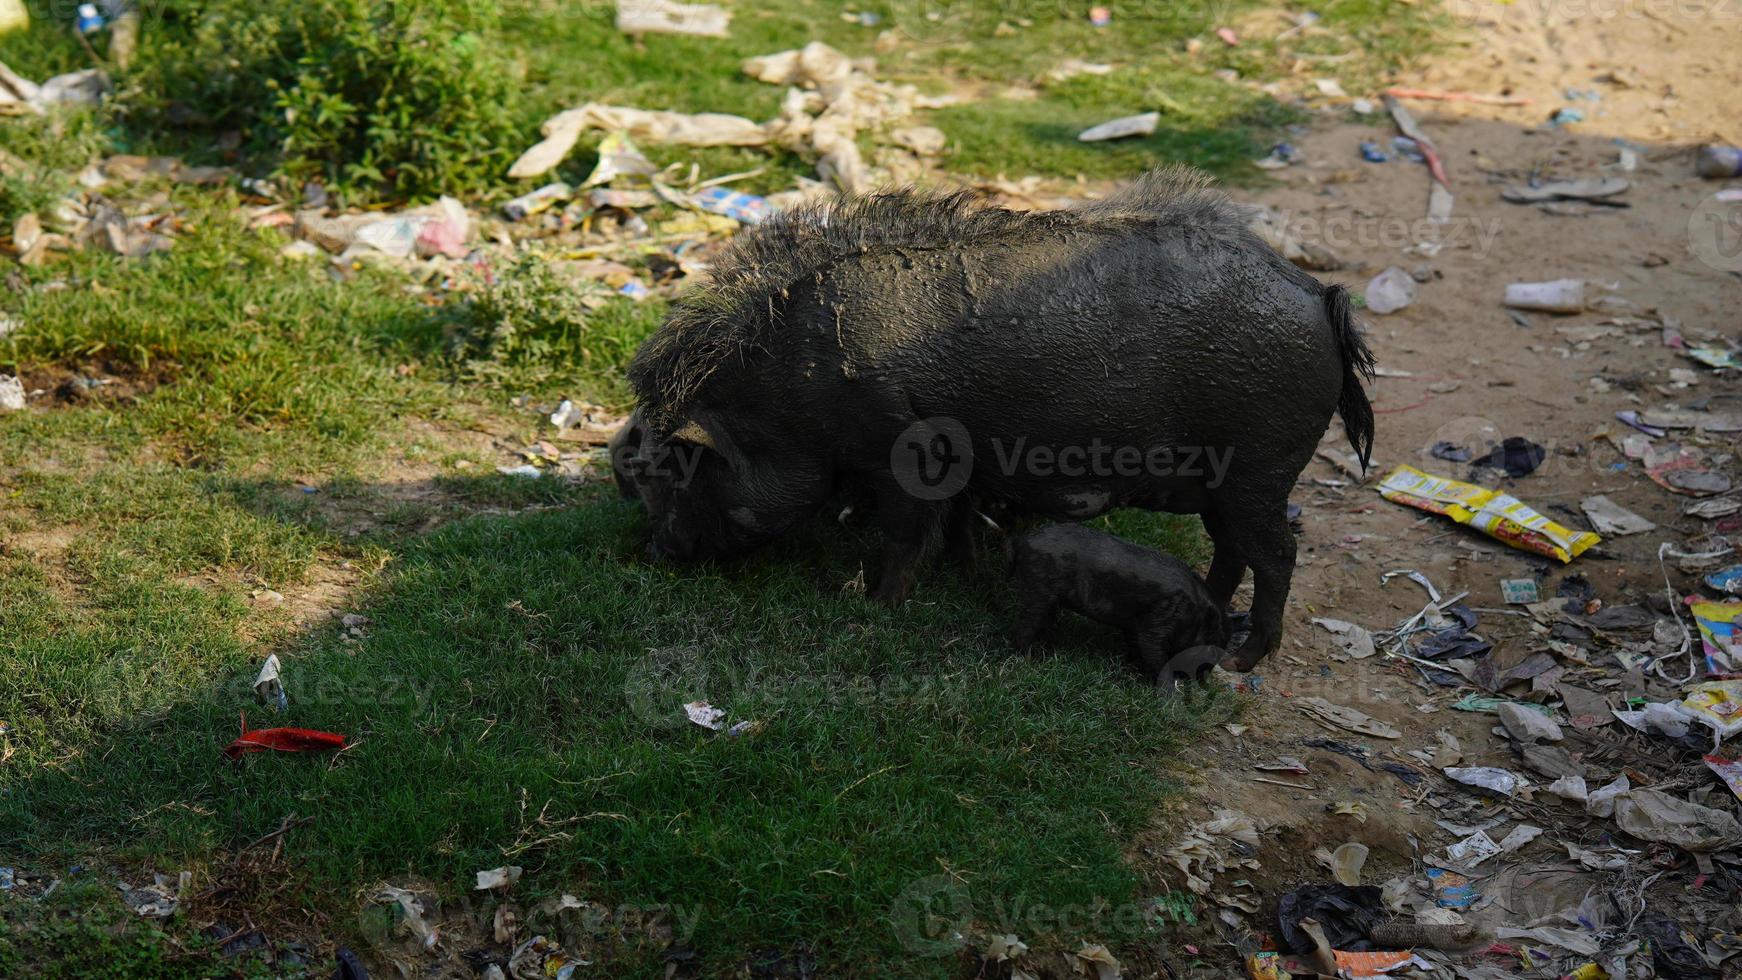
281	740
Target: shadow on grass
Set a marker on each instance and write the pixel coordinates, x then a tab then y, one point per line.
517	699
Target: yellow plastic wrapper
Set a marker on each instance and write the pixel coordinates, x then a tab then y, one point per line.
1718	704
1495	514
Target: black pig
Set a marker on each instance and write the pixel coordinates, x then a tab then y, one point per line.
1156	600
1143	351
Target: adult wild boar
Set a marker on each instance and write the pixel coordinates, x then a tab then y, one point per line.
1143	351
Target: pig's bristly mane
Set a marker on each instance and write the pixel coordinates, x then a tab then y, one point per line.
720	321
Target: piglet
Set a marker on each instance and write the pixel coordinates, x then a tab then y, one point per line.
1173	630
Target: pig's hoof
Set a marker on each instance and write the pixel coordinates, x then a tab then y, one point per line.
1245	660
1189	665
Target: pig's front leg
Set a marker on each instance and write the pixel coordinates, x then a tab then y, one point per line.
910	526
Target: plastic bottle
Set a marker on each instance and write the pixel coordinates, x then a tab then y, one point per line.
1559	296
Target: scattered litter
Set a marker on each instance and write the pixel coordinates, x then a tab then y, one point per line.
1451	890
1526	726
1371	153
534	202
1495	514
705	715
1519	591
1631	418
1657	716
1210	848
158	900
1719	640
282	740
1654	816
8	879
1558	296
747	208
267	688
1285	763
524	469
1516	456
1717	162
1349	808
1728	770
1097	958
666	17
1715	357
1346	913
1472	850
1407	126
498	878
1450	452
1336	716
1501	781
1718	705
1345	862
544	958
1579	942
1712	509
1611	518
563	130
11	393
410	914
1440	95
1356	641
1139	125
1726	580
1390	291
1562	190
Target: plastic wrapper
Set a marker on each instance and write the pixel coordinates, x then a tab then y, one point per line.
1717	704
1717	623
1498	515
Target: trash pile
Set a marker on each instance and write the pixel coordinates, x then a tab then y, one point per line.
829	100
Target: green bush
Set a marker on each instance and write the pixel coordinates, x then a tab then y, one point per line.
396	98
533	327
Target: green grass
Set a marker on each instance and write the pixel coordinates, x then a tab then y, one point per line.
514	655
569	54
517	695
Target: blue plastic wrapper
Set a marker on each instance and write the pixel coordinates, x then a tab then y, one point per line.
747	208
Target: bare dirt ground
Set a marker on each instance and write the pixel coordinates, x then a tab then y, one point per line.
1457	367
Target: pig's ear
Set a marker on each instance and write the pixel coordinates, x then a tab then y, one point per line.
706	430
692	431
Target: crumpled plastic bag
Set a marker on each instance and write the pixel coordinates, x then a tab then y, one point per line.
1650	815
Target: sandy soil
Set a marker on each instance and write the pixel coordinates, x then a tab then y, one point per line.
1458	368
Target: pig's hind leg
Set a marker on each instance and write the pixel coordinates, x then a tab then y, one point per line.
1227	568
1260	534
